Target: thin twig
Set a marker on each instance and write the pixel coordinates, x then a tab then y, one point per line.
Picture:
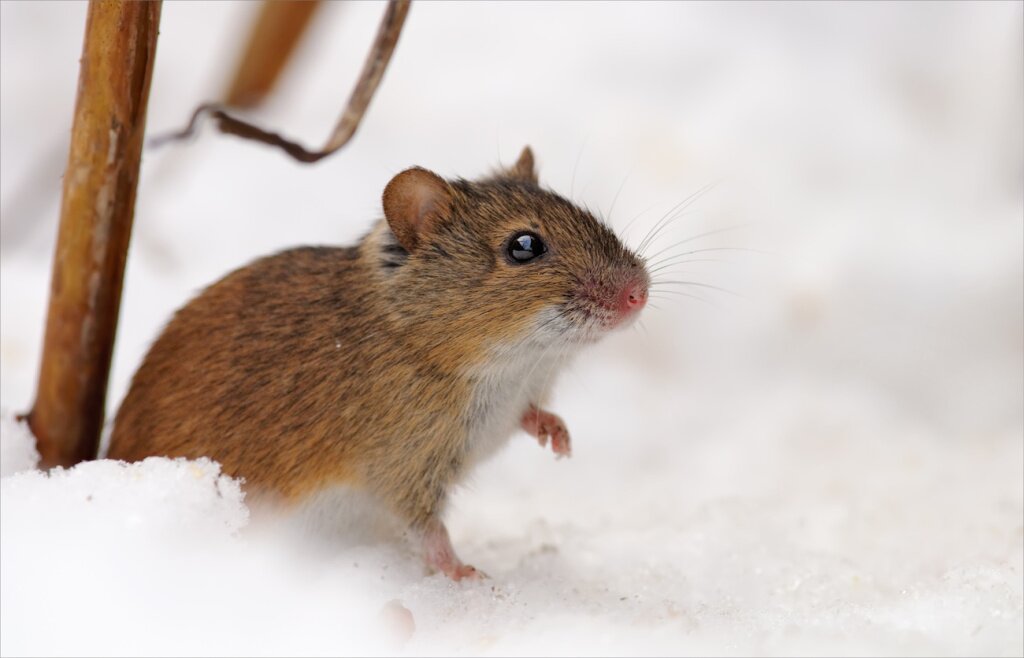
273	38
373	70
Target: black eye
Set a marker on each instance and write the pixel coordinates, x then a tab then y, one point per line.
525	246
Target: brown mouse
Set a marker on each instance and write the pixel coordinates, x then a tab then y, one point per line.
395	365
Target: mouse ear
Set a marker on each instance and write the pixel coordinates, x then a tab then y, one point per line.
524	169
414	201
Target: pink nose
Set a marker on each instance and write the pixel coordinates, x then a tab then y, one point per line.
634	298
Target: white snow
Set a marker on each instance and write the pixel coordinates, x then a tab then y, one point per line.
833	464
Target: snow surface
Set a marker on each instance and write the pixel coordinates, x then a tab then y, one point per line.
832	464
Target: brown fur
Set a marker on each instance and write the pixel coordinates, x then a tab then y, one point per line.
320	366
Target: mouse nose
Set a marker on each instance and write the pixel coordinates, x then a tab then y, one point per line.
633	297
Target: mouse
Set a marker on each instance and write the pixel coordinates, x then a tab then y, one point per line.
395	365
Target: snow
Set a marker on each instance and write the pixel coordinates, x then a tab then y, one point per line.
832	464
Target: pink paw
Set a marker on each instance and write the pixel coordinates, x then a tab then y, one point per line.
544	425
456	570
466	571
439	554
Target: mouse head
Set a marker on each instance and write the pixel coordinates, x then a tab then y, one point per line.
510	259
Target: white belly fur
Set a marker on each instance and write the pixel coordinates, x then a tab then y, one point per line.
505	388
341	515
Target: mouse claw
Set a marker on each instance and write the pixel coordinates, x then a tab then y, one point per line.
468	572
560	443
459	572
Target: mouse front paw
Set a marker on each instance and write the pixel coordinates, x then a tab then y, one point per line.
543	425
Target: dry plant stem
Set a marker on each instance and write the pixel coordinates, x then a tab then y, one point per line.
376	63
278	30
95	224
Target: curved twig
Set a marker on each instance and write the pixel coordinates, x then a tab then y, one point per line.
373	70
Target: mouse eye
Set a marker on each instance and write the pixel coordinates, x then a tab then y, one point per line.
525	246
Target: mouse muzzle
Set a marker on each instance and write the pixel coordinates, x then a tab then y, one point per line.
630	298
610	301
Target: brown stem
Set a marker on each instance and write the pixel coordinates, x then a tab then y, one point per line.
273	39
95	224
373	70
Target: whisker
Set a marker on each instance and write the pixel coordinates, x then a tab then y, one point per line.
698	236
663	223
572	185
699	284
586	186
625	228
643	243
667	217
616	197
685	262
682	205
661	279
706	249
679	293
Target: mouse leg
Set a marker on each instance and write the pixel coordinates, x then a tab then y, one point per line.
439	554
542	424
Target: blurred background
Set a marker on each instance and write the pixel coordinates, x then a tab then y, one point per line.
829	460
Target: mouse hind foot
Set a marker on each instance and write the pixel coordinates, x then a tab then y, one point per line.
439	554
